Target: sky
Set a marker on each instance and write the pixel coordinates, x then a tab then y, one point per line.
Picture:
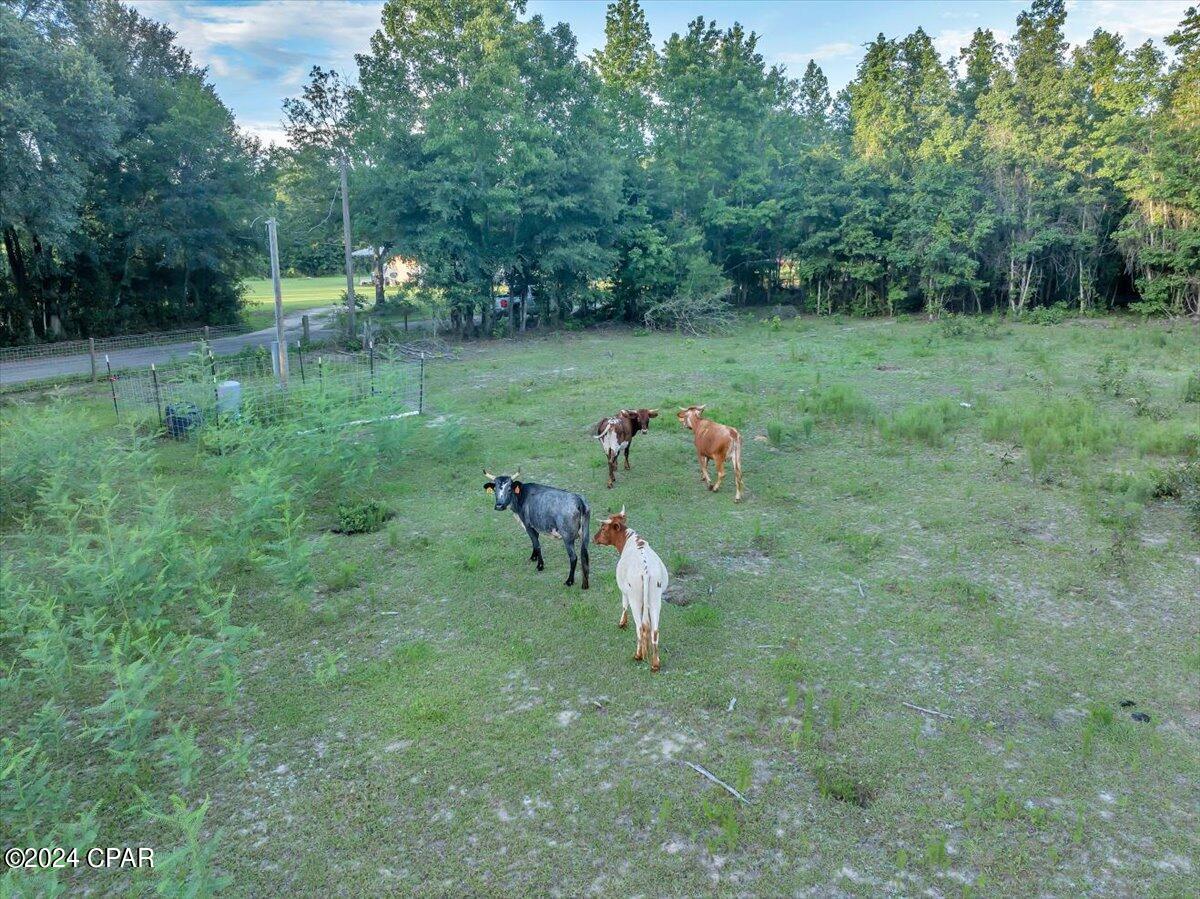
260	51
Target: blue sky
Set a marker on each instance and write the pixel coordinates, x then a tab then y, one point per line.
260	51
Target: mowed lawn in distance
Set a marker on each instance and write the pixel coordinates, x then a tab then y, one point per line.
298	294
960	517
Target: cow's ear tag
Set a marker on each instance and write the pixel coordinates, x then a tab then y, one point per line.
489	486
516	488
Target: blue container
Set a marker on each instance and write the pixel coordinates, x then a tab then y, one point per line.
183	418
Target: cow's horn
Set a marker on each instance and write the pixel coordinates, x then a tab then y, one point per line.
489	474
517	474
622	510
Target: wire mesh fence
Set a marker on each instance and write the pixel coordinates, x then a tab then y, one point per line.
101	345
322	389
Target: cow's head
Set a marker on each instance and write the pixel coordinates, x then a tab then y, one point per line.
504	487
690	415
639	419
612	530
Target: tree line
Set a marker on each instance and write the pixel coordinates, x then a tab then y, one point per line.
126	189
644	183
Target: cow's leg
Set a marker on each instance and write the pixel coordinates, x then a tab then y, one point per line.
583	557
627	454
635	606
612	469
703	466
624	611
719	459
655	609
536	556
569	543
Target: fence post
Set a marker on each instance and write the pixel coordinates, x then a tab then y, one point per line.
300	356
206	334
92	353
157	395
212	365
371	357
421	395
112	385
304	327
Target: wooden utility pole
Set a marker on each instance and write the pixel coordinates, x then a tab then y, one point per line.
346	241
280	343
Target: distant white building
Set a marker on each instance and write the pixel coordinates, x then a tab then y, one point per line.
396	271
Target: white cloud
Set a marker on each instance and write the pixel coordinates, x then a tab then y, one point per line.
834	50
951	41
824	52
270	41
266	131
1135	20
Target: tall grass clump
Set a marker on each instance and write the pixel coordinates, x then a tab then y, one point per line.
841	402
1191	388
1054	430
924	422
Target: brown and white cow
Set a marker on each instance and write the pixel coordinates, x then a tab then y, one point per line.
642	578
617	432
717	442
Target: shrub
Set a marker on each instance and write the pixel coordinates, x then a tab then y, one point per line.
926	422
1046	315
838	401
1069	430
1191	388
362	517
846	784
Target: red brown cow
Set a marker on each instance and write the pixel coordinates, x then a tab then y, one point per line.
617	433
717	442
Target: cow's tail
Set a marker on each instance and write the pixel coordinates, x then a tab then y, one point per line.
646	599
586	535
737	461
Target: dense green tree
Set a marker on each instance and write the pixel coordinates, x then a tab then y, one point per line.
126	188
1160	236
512	170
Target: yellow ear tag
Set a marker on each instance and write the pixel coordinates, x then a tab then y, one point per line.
488	488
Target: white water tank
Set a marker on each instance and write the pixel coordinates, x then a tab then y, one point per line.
229	397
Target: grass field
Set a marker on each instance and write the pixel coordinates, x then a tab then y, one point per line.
991	522
299	294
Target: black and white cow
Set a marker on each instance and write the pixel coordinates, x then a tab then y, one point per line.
545	510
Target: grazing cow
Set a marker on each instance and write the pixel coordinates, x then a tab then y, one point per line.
545	510
717	442
617	433
642	577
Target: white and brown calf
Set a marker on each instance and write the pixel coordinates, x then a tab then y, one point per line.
642	579
616	433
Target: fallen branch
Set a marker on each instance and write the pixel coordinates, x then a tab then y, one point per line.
934	712
704	772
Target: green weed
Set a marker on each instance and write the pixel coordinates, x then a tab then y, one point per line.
847	784
925	422
841	402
